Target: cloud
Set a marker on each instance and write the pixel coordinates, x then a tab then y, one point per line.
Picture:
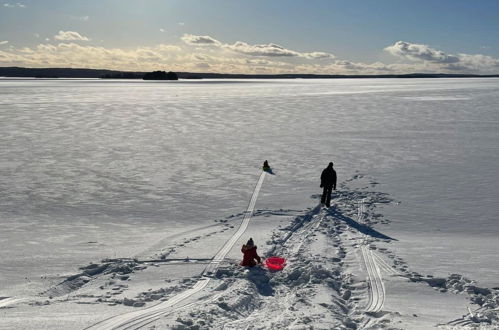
70	54
4	42
475	63
162	30
181	23
203	65
205	53
14	5
435	60
263	50
417	52
318	55
194	40
274	50
70	36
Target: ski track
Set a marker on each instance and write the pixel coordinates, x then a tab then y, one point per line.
376	287
140	318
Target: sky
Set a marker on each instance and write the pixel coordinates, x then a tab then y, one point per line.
253	36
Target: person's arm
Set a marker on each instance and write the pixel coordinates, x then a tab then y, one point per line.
334	180
257	257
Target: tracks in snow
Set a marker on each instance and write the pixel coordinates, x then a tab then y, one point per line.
374	264
375	283
143	317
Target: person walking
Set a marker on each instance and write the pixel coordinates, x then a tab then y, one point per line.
328	182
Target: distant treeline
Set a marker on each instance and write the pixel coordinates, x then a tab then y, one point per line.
112	74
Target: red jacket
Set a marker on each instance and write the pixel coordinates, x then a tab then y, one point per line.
249	256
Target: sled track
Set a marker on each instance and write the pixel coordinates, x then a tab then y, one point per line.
143	317
384	266
376	287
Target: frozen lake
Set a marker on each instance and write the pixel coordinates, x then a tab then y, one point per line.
92	169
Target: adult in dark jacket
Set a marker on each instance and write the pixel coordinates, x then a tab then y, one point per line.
328	182
250	255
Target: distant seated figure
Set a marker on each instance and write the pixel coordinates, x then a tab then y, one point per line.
266	166
250	255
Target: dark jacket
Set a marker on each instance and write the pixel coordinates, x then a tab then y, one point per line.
249	256
328	177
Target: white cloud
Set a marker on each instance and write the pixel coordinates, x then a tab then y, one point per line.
475	63
162	30
205	53
4	42
14	5
418	52
70	36
263	50
436	60
318	55
70	54
181	23
194	40
37	35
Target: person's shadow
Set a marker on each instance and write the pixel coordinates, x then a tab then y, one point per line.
364	229
269	171
259	277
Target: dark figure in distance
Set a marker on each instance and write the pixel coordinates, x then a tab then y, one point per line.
250	255
266	167
328	182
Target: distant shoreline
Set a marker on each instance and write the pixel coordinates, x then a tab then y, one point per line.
21	72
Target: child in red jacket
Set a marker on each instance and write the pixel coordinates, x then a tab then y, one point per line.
250	254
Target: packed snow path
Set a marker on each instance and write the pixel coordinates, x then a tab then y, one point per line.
138	319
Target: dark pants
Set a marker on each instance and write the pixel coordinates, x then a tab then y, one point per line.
326	196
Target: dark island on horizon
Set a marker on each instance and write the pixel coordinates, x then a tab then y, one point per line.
21	72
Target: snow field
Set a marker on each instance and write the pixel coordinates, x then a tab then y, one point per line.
340	273
114	206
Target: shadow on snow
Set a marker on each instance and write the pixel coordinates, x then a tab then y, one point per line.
364	229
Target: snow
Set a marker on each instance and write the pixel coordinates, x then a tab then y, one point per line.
116	195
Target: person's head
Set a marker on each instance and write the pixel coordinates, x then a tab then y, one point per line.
330	164
250	242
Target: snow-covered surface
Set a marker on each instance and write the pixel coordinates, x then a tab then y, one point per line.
116	195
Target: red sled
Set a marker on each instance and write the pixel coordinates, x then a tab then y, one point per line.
275	263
